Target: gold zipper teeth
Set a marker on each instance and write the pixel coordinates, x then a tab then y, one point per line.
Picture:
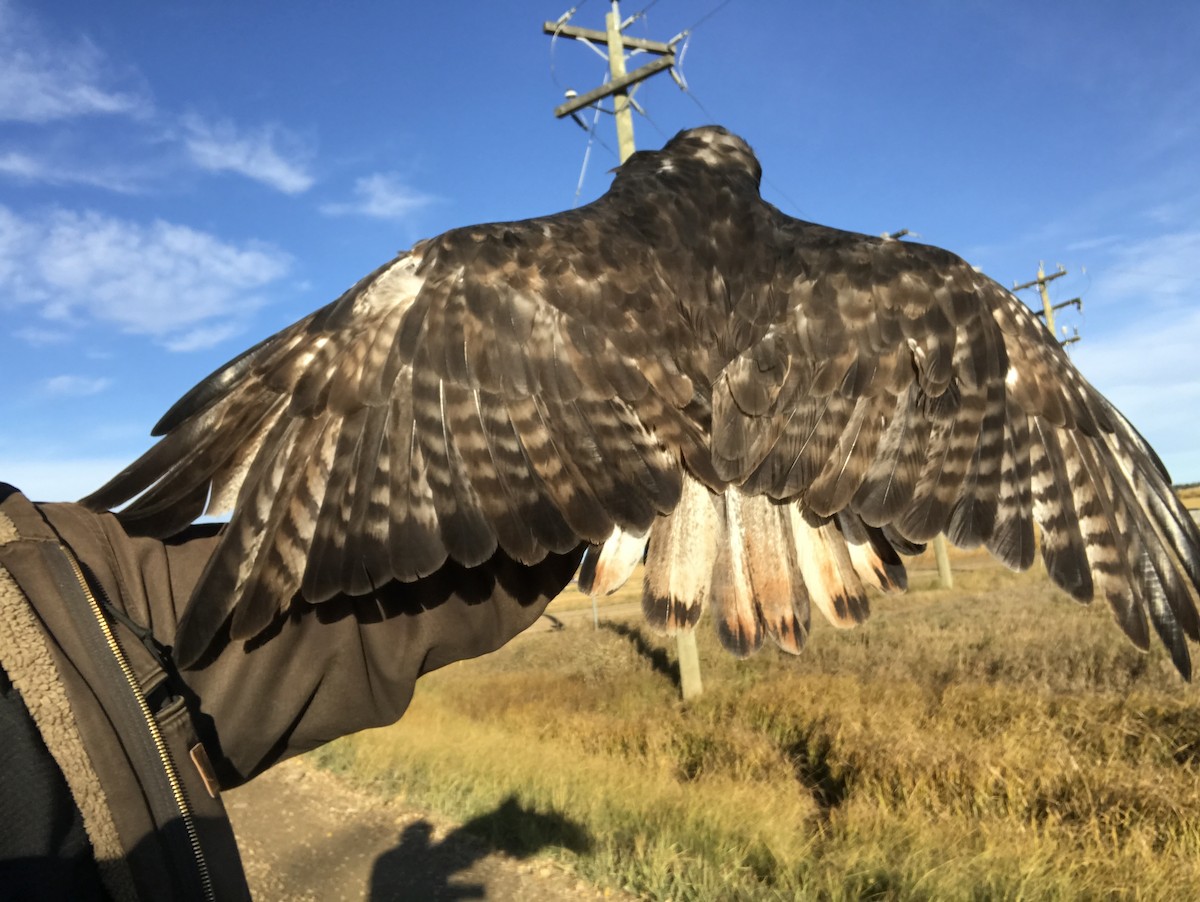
164	753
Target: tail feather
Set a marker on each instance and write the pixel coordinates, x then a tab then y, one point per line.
779	600
739	624
679	560
761	564
833	585
605	568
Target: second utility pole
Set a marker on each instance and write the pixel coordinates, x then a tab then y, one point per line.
1048	308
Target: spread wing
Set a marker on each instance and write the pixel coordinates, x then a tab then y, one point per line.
488	389
777	407
904	391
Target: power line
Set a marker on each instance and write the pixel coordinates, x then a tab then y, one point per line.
641	14
558	26
566	17
681	80
587	153
653	124
696	100
708	15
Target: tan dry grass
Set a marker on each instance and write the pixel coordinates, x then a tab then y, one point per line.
1190	496
994	741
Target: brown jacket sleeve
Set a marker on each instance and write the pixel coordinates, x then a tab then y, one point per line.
322	671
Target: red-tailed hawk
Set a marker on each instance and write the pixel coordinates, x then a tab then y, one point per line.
777	406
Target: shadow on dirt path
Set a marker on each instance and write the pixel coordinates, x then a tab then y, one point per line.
305	834
422	867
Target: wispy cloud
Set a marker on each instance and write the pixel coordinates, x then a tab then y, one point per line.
269	154
42	80
40	338
69	386
1095	243
1159	271
202	336
21	165
382	195
48	79
185	288
25	167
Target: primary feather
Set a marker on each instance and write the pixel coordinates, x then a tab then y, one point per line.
777	407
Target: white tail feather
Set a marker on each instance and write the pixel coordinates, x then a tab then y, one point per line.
615	561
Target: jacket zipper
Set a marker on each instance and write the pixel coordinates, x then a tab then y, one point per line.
164	753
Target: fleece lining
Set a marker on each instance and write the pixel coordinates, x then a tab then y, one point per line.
26	657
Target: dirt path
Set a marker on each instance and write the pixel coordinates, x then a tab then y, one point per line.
307	836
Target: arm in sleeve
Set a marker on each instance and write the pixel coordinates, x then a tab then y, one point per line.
320	671
348	664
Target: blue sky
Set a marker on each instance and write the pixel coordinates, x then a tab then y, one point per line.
178	180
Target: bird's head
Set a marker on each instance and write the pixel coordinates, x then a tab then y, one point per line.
713	146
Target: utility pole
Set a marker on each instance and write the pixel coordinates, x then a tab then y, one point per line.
941	554
1047	311
619	82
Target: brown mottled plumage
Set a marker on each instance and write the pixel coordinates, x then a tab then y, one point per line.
779	406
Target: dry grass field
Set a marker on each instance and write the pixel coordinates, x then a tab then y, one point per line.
995	741
1189	495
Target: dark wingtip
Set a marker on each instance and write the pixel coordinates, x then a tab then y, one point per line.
1183	663
208	612
893	579
1068	569
208	390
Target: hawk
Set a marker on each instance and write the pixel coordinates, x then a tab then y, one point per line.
778	409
